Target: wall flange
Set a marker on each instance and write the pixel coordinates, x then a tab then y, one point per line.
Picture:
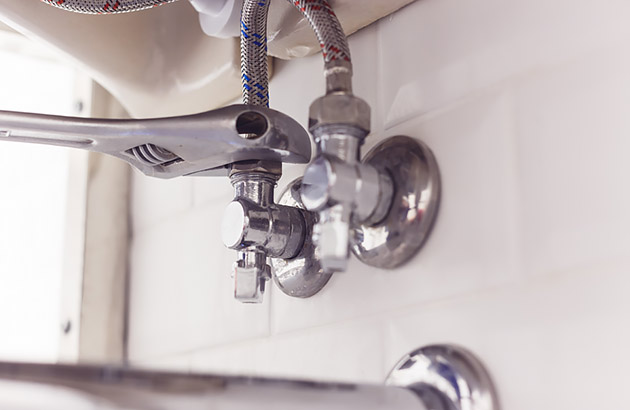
445	377
303	275
414	171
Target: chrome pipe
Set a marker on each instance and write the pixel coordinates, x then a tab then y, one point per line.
33	386
439	377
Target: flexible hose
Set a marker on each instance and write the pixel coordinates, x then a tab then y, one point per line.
333	42
254	70
327	28
105	6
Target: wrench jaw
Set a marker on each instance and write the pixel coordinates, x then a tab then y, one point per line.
211	153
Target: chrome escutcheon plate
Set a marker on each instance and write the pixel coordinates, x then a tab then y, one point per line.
415	173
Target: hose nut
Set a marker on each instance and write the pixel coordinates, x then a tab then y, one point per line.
273	168
340	109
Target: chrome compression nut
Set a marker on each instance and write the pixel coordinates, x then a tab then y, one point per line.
340	109
257	166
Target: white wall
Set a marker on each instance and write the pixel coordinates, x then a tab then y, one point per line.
34	186
527	107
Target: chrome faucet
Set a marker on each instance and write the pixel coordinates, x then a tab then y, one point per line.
245	143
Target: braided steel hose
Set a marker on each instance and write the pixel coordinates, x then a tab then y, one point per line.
254	70
327	28
333	42
105	6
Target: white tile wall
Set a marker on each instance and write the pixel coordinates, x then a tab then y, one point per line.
474	242
181	297
527	107
155	200
573	169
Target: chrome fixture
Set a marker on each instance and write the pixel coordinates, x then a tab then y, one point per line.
257	228
445	377
246	143
382	208
432	378
336	184
400	215
397	194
